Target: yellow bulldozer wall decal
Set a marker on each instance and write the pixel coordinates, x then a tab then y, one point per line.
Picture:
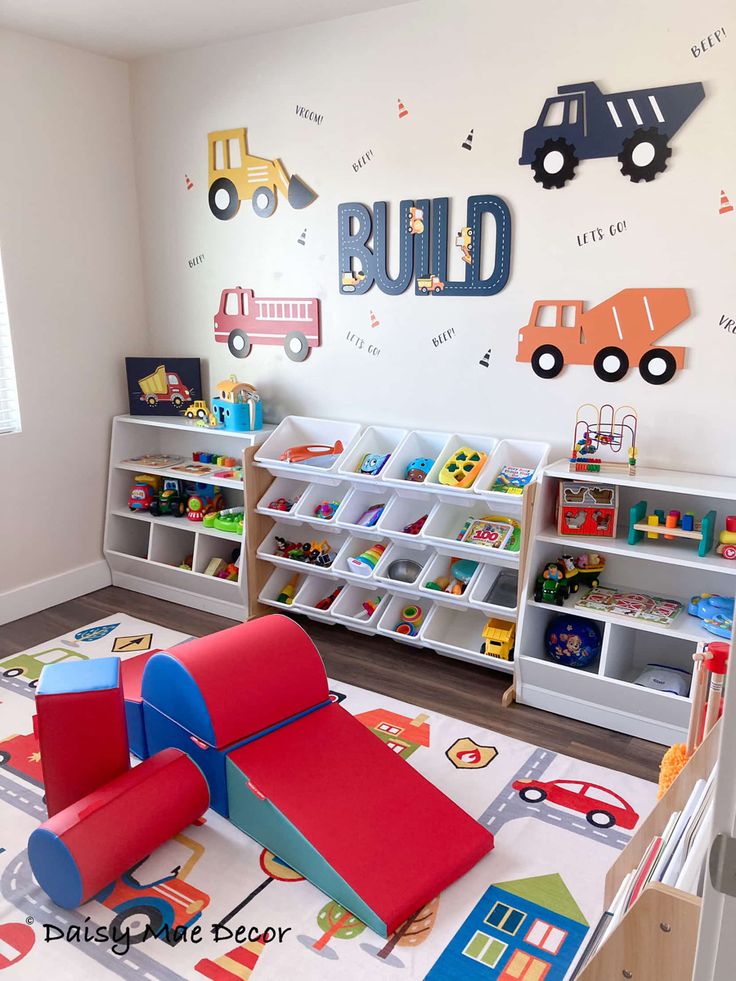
234	176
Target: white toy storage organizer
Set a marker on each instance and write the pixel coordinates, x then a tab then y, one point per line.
451	625
604	693
144	552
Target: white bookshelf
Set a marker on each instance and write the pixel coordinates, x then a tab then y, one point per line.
144	552
451	625
604	693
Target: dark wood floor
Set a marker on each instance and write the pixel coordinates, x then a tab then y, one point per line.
465	691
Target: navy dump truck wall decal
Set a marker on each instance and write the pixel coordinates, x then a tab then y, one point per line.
581	123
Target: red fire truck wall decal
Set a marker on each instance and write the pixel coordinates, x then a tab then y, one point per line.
244	320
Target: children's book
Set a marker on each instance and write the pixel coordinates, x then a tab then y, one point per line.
635	606
512	480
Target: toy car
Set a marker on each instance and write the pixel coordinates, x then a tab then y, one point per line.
498	639
552	586
172	500
144	492
200	412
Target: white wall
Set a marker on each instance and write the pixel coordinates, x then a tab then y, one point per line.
456	65
69	234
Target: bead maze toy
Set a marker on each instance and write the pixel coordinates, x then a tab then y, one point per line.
601	434
461	469
221	715
672	525
587	509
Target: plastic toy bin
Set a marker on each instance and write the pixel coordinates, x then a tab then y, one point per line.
484	444
314	496
459	633
503	602
391	615
401	512
312	590
280	577
440	566
444	528
396	553
352	548
356	503
378	440
285	487
419	443
307	431
298	533
510	453
348	607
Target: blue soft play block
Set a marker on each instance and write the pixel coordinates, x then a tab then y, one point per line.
169	687
136	729
69	677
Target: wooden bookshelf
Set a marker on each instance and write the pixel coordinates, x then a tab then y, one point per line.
657	936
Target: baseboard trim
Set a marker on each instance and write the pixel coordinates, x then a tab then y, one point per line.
44	593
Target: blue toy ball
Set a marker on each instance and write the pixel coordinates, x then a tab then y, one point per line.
572	641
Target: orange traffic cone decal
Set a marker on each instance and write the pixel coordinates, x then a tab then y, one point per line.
403	111
726	205
238	963
375	322
188	182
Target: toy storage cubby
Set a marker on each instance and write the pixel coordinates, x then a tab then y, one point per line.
144	551
451	625
605	693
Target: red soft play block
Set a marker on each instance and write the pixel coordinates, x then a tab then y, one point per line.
83	848
375	820
81	727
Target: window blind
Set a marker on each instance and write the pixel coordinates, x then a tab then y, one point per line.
9	409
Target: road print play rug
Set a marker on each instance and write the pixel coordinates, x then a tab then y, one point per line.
238	912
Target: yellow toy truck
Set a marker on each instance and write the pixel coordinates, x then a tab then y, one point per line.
498	639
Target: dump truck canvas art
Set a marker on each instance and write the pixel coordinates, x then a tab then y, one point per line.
162	386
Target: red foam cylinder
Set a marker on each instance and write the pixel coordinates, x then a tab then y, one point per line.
89	844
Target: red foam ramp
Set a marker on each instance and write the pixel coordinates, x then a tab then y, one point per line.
391	834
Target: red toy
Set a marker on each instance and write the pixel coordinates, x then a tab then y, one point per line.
416	526
587	509
81	729
72	855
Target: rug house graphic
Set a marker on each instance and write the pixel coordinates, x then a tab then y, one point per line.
400	733
522	930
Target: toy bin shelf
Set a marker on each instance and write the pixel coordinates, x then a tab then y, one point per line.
668	569
296	431
144	551
459	634
444	510
375	441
